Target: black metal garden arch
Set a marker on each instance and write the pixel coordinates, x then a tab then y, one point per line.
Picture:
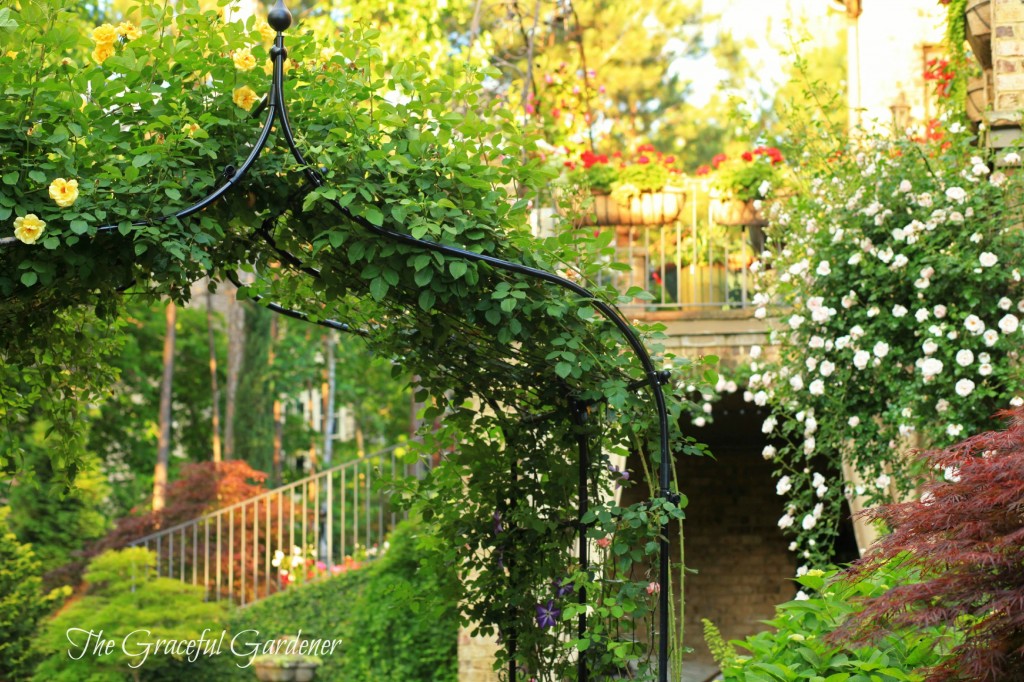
280	19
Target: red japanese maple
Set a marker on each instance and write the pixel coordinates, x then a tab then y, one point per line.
966	534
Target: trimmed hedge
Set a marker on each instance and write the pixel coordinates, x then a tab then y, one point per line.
393	625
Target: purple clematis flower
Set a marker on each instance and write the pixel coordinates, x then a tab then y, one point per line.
562	587
547	614
498	525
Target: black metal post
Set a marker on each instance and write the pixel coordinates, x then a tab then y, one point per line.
580	416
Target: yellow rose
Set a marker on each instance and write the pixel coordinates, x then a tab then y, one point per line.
245	97
102	53
190	129
266	33
244	61
128	30
64	192
104	35
28	228
12	54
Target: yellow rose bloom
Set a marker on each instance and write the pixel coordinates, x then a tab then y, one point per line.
245	97
244	61
12	54
267	34
64	192
28	228
102	53
128	30
268	67
104	35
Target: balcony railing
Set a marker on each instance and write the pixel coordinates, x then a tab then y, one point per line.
693	262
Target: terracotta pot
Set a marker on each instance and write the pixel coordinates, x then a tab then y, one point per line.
727	211
650	208
978	19
979	95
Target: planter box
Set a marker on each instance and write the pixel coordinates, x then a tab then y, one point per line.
266	672
979	95
650	208
978	19
726	211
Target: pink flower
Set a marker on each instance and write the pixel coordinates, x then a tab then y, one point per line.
604	542
653	588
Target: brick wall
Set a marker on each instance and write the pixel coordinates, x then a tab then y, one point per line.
1008	53
476	657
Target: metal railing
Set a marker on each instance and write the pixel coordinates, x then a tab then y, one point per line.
312	528
694	261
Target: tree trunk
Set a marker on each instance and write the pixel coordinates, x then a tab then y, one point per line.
236	351
163	449
329	386
214	387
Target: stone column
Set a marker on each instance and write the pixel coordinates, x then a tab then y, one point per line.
476	657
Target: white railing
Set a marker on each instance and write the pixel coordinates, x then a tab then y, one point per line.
315	527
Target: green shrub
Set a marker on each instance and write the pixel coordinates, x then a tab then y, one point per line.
22	603
799	649
393	627
124	595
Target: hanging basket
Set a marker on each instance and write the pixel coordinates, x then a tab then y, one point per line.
649	208
978	20
979	95
729	211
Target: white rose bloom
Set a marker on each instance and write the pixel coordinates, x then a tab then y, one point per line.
953	430
922	283
809	445
799	267
795	321
783	486
974	324
881	349
964	357
809	522
817	387
898	310
976	238
921	315
885	255
988	259
797	382
1017	401
861	359
818	510
820	491
899	261
1005	303
931	367
816	342
792	546
928	272
800	596
1011	158
939	311
826	368
929	346
761	398
942	405
823	269
760	313
964	387
769	425
755	352
817	480
786	521
924	200
853	421
873	312
991	337
952	335
984	357
956	194
905	186
883	481
769	452
854	259
764	187
984	369
700	422
856	332
980	169
1009	324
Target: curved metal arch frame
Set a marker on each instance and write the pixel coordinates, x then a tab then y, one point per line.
280	20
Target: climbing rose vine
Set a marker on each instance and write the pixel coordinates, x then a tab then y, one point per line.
895	299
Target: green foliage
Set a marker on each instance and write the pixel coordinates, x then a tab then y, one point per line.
396	623
22	603
799	650
400	151
124	595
